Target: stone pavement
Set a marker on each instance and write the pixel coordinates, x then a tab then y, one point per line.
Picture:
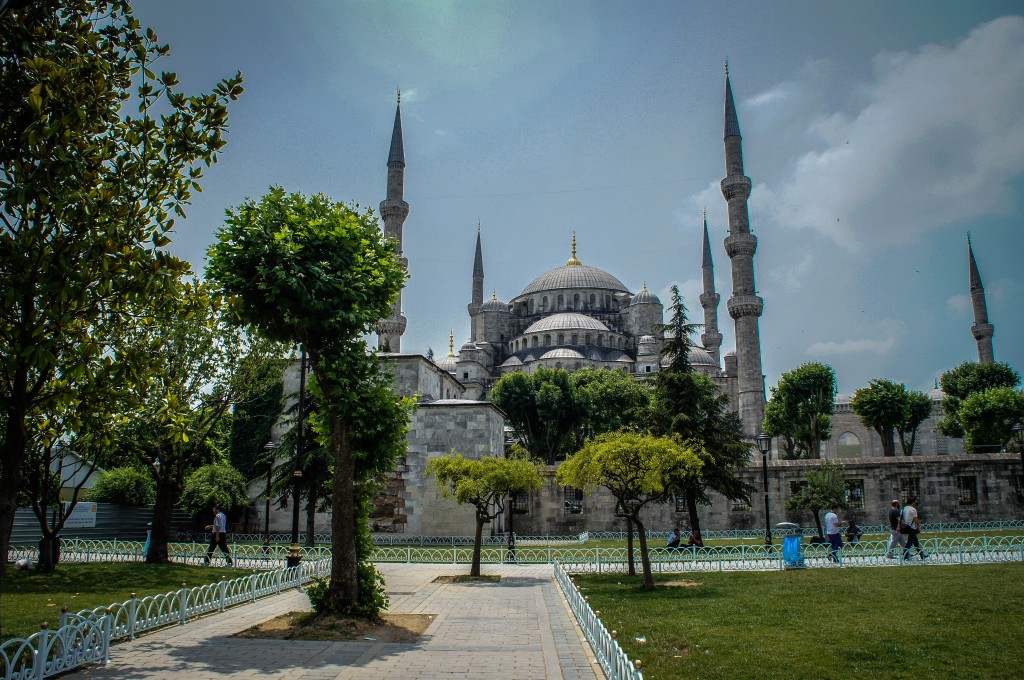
517	628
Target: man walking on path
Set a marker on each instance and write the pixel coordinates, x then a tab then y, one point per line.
895	537
835	537
219	536
911	528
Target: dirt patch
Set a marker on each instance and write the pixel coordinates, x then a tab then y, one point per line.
307	626
679	584
463	578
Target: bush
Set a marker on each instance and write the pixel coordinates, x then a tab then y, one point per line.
124	486
372	598
214	485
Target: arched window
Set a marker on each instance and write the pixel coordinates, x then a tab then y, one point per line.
586	338
575	339
547	339
561	339
561	300
600	341
607	301
529	306
558	364
848	445
544	304
591	300
576	301
535	341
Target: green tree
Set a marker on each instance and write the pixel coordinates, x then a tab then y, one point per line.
218	485
637	469
484	483
961	382
608	401
544	410
689	404
128	486
320	273
825	488
884	406
251	427
988	417
88	194
920	408
800	409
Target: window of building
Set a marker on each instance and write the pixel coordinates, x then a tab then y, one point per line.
848	445
547	340
600	341
561	338
855	493
465	375
680	502
967	490
1020	488
591	300
535	341
586	338
520	503
544	303
647	369
573	500
576	301
741	505
607	301
796	487
910	487
575	339
561	301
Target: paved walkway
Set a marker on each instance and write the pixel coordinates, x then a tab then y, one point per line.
518	628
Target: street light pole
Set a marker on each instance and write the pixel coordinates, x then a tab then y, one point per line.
294	555
269	448
1018	437
764	445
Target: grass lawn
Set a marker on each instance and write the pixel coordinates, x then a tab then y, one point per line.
30	598
921	622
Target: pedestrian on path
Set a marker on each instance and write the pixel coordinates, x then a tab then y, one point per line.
218	536
835	537
911	528
895	537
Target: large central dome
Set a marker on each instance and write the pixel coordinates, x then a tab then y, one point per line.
575	276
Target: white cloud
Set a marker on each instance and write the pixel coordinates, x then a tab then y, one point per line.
938	141
771	96
791	277
958	304
825	349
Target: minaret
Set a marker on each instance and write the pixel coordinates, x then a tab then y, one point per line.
982	329
478	285
710	338
394	210
744	306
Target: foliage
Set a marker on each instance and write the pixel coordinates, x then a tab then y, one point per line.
542	408
884	406
218	485
608	401
320	273
800	409
88	194
957	611
966	379
677	335
484	483
129	486
689	404
637	469
988	417
920	408
251	427
825	488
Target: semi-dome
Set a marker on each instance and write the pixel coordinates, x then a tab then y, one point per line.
645	297
566	321
494	305
562	353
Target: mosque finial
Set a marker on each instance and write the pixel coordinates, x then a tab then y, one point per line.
727	67
494	294
573	261
451	343
400	93
478	225
645	287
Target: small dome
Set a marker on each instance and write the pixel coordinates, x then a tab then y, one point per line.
446	363
494	305
625	359
701	357
512	361
562	353
647	340
936	394
566	321
645	297
469	347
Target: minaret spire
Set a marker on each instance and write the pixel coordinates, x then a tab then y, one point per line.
710	338
982	330
477	293
573	261
744	306
394	210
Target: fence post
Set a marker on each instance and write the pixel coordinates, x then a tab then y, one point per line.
597	559
182	605
108	626
132	614
277	578
222	590
252	580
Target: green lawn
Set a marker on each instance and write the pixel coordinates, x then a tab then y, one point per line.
921	622
30	598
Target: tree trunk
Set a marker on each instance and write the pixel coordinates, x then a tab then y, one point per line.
888	445
817	521
691	510
310	516
478	539
49	552
645	559
12	459
160	532
343	592
629	545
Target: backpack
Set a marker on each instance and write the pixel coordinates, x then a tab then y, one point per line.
903	526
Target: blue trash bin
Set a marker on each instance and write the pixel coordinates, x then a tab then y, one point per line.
792	556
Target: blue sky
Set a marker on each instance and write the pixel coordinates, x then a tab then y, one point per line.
876	135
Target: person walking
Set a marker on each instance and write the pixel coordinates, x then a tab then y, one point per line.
911	528
218	536
832	530
895	537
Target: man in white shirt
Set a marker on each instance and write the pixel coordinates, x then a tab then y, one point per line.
219	536
912	528
832	530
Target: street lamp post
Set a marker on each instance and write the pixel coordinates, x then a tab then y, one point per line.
294	555
269	448
764	445
1018	437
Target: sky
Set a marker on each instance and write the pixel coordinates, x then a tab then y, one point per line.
876	135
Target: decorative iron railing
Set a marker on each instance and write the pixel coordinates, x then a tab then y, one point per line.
614	661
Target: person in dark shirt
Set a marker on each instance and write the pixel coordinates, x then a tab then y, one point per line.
895	537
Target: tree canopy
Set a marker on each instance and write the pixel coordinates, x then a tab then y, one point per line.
543	409
99	153
130	486
485	483
884	406
218	485
637	469
825	487
966	379
988	417
800	409
320	273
